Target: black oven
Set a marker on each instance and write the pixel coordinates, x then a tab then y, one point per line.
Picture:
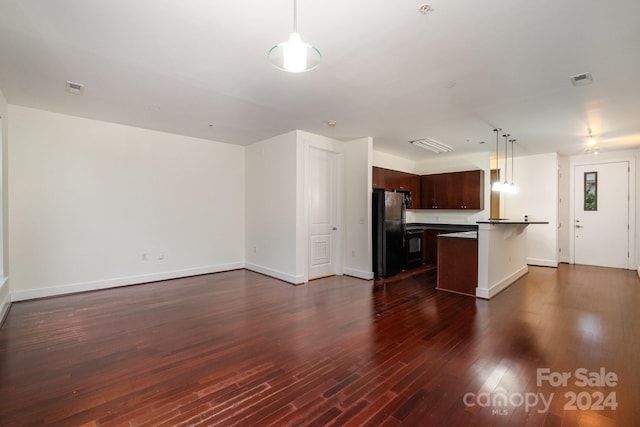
413	242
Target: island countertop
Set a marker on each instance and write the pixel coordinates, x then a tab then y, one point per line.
461	235
510	221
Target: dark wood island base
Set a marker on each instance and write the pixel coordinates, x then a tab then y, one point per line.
458	263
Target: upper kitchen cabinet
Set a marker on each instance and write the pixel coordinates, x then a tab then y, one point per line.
436	191
473	189
454	190
379	176
414	188
392	180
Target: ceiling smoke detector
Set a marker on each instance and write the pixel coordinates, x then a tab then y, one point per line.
581	79
425	8
75	88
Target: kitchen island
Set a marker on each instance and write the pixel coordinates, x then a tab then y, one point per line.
458	262
502	254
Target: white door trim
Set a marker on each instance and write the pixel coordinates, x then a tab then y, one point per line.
603	158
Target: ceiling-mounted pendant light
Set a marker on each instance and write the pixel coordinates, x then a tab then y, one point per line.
497	185
294	55
592	143
505	185
513	189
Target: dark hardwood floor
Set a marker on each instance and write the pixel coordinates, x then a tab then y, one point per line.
239	348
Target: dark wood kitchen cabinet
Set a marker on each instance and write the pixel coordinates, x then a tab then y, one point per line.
430	244
454	275
436	191
454	190
379	176
392	180
414	188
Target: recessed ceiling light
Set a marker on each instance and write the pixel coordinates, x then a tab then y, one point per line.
330	123
75	88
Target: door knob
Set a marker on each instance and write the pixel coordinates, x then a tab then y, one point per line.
334	228
579	226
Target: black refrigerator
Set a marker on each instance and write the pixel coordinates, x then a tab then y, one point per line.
388	233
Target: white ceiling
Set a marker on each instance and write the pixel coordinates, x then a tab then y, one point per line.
388	71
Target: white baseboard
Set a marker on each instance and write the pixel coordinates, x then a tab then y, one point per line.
565	260
542	262
296	280
121	281
501	285
360	274
5	300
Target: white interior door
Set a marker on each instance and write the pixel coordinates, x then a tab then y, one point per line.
323	225
601	233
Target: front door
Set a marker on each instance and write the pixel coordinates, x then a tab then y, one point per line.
323	187
601	197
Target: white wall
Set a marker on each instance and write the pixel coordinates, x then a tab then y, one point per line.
537	181
278	207
4	270
88	198
389	161
454	163
633	156
273	187
357	224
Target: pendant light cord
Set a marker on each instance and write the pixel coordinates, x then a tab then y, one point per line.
496	130
506	158
295	16
512	167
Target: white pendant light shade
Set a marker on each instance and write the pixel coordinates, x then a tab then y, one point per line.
294	55
497	186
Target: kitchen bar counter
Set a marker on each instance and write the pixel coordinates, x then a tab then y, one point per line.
502	254
508	221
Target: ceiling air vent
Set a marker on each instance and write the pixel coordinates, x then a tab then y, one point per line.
432	145
581	79
75	88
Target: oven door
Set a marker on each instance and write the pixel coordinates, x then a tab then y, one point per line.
414	248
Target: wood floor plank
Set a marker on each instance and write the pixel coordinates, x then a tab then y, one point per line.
240	348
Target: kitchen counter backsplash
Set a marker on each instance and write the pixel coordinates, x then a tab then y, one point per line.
444	217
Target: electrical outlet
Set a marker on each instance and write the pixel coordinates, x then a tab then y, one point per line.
255	249
161	257
143	257
353	253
